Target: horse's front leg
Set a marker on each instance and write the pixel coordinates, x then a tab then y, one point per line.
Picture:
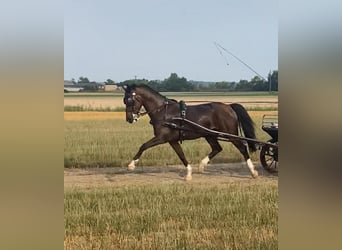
151	143
180	153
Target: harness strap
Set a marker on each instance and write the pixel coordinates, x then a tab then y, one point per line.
182	108
166	105
153	110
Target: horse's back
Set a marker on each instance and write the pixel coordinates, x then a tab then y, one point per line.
214	115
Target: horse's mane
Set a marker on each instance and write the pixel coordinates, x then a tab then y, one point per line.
144	86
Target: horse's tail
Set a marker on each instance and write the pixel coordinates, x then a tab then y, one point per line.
246	122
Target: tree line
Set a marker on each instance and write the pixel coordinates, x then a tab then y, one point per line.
174	83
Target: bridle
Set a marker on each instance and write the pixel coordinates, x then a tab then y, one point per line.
130	102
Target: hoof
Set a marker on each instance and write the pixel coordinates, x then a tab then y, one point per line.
201	169
188	178
131	166
203	164
255	174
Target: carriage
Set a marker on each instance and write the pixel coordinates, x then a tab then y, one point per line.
269	153
268	150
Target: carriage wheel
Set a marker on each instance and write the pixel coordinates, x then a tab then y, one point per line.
269	158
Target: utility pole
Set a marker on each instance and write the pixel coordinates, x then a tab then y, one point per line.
270	83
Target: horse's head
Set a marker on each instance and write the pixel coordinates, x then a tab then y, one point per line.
133	104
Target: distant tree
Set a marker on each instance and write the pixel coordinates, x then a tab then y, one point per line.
156	85
82	79
274	80
109	82
258	84
243	85
175	83
223	85
73	80
135	81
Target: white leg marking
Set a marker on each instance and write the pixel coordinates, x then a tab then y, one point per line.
188	176
251	168
131	166
203	164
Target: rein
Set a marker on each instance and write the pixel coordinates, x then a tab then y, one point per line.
158	109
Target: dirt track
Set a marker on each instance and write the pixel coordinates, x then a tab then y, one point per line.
117	177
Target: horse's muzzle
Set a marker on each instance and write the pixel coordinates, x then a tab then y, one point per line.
133	119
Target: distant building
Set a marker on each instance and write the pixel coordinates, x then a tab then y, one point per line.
72	89
70	86
110	87
101	86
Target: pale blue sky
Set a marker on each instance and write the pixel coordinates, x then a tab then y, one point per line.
153	38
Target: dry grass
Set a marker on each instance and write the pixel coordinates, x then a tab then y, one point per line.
226	216
114	101
203	214
107	140
94	115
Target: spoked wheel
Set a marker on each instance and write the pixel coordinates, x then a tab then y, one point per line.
269	157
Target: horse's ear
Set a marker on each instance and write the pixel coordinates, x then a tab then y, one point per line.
124	87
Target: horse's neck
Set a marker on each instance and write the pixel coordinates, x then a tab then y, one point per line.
152	101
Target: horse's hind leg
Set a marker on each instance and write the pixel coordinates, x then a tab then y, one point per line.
215	149
243	149
151	143
178	149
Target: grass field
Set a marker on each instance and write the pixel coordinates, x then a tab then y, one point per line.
105	139
238	215
141	212
113	101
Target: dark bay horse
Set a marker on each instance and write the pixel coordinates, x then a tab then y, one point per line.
215	115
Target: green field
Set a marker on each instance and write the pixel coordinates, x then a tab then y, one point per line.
113	143
238	215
